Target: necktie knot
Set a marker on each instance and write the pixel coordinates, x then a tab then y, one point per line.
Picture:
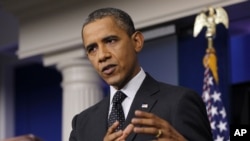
118	97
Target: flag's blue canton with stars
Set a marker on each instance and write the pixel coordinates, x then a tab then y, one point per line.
216	112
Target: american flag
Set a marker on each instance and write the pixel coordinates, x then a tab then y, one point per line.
216	112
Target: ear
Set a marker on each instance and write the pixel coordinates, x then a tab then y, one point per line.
138	39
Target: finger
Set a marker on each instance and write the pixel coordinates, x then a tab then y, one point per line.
147	119
146	122
146	130
112	128
113	136
127	130
144	114
158	133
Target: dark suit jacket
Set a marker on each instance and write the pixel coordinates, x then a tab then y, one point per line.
181	107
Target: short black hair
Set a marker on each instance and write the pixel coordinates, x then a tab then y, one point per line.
122	18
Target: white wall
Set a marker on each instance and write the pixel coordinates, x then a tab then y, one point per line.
60	29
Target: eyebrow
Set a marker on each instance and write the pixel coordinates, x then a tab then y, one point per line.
103	40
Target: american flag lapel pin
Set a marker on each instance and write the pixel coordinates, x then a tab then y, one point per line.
144	106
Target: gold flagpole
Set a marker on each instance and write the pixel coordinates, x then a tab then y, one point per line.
211	94
215	16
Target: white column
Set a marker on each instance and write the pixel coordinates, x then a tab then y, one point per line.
81	89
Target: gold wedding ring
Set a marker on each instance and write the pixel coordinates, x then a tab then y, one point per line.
159	133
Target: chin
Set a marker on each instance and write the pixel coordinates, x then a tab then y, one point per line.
112	82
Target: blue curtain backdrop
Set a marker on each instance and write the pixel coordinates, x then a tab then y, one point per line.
240	58
38	102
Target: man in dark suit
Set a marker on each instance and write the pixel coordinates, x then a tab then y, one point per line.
152	110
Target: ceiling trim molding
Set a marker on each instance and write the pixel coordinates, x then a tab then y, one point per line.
61	29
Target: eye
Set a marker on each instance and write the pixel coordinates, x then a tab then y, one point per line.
91	49
111	40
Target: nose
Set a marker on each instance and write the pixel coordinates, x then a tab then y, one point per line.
103	53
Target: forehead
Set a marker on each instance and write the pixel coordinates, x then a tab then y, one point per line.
101	28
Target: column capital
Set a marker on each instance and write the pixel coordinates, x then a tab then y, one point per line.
62	55
81	61
78	71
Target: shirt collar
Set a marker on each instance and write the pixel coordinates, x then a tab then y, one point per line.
131	88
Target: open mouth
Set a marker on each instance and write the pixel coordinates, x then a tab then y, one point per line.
109	69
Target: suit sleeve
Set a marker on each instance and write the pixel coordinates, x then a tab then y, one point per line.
191	119
72	136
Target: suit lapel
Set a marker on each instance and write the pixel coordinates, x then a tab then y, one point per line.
143	100
100	118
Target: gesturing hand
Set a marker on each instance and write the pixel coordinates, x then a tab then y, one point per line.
120	135
145	123
148	123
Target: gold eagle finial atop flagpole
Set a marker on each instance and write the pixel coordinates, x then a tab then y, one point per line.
215	16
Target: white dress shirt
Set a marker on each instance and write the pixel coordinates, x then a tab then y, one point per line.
130	89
